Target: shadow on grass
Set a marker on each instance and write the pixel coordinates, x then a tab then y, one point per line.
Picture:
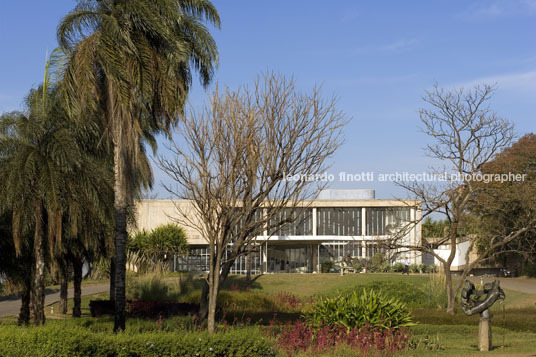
520	320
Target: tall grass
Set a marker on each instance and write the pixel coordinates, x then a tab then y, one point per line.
153	289
435	290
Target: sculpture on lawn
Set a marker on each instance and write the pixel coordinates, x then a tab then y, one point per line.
478	302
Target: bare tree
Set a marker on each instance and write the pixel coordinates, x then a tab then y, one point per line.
464	135
235	163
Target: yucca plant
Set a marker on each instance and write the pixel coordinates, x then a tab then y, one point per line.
360	308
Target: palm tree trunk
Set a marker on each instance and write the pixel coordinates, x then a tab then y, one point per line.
64	284
24	314
112	279
78	263
120	208
38	288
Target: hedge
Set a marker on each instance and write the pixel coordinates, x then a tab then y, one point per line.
60	339
145	309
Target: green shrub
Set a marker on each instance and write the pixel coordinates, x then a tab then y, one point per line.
61	338
357	265
353	262
377	259
160	243
358	308
529	270
167	239
430	269
398	267
386	267
365	263
327	265
414	268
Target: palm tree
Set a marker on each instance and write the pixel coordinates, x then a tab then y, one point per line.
36	155
14	268
53	175
88	200
131	62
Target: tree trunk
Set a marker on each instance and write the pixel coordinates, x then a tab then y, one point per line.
203	304
64	285
214	289
112	279
24	314
248	267
451	295
38	288
78	263
120	208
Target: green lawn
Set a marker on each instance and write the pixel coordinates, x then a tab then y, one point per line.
437	333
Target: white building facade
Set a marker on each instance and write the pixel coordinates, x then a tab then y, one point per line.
337	224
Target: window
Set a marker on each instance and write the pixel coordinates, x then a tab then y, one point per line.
373	249
258	215
299	222
338	221
381	221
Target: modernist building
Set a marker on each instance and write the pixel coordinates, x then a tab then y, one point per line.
338	223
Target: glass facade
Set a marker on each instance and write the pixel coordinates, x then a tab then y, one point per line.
300	223
338	221
372	249
337	250
198	260
290	259
381	221
283	255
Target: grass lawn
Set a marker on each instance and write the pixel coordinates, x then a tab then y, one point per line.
437	333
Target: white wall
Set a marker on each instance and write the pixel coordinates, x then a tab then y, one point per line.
462	249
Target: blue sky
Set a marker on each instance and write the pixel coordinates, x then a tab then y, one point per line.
378	57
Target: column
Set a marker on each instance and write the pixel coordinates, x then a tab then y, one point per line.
314	258
318	258
265	257
363	221
314	221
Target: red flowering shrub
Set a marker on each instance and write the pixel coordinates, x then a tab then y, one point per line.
287	299
299	337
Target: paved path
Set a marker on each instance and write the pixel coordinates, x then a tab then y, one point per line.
11	306
524	285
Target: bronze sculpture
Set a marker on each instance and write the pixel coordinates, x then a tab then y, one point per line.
478	302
